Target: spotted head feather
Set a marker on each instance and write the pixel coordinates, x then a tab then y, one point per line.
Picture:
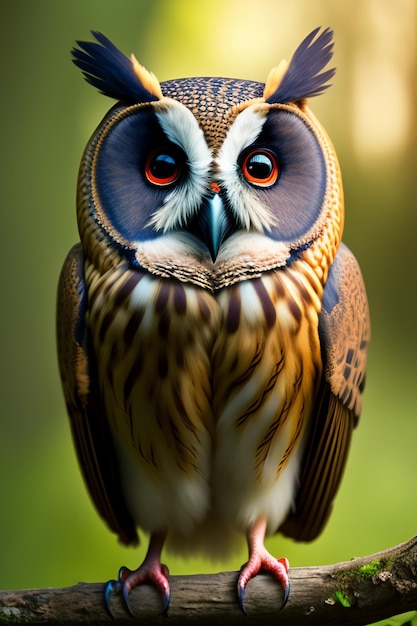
115	75
301	78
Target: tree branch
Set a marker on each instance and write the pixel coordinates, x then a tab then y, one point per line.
354	593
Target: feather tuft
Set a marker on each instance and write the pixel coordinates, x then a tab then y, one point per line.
303	77
274	79
115	75
146	78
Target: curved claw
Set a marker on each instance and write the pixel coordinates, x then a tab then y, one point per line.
241	597
286	595
167	598
125	590
111	585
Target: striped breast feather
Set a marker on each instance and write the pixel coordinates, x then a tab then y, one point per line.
269	313
266	368
153	338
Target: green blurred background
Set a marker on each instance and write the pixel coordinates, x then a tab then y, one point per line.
49	533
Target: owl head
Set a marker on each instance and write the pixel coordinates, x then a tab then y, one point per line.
208	168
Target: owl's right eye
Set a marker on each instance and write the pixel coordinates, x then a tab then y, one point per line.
163	167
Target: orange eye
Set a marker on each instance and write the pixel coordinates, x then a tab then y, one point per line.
260	167
163	167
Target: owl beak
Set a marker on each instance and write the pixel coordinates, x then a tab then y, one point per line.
217	225
214	224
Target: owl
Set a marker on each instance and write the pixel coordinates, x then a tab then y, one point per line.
212	327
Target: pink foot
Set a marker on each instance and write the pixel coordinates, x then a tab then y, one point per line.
261	559
151	570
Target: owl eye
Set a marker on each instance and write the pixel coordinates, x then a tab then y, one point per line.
259	167
163	167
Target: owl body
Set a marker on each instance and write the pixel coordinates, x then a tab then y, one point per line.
199	382
212	329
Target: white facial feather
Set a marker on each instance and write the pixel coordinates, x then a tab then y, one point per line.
248	210
181	128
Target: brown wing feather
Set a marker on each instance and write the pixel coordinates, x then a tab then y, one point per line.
89	426
344	329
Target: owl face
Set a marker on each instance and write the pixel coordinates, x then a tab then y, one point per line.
209	168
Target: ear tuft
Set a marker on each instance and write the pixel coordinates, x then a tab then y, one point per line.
115	75
274	79
146	78
301	78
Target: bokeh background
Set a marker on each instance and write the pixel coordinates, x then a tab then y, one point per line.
49	533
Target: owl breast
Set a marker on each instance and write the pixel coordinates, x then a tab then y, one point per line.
208	393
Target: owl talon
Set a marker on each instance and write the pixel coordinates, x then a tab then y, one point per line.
286	595
149	572
111	585
125	591
277	567
241	597
116	586
260	559
155	573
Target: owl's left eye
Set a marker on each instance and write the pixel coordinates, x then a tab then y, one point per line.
164	166
259	167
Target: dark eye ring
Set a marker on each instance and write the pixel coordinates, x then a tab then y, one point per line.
163	167
260	167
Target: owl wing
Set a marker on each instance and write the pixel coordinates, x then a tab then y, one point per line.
89	425
344	329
